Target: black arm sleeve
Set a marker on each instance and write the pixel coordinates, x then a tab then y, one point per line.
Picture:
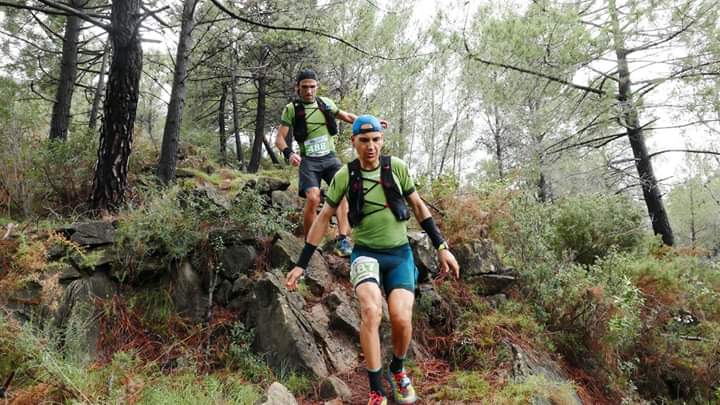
428	225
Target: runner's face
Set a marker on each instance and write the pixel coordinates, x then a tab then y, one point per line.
307	89
368	146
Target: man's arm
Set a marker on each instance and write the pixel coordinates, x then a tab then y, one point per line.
314	236
281	144
446	259
350	118
346	116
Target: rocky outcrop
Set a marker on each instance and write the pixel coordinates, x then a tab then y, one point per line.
90	234
556	386
189	293
78	315
277	394
286	250
282	329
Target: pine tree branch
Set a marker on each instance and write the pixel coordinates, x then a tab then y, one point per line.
306	30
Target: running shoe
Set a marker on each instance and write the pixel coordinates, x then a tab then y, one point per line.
343	248
376	398
402	389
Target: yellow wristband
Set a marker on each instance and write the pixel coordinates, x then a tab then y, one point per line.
442	246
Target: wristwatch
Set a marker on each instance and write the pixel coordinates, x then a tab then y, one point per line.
443	246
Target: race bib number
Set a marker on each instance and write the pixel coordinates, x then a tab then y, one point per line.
319	146
364	268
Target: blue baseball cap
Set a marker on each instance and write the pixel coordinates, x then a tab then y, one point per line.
366	123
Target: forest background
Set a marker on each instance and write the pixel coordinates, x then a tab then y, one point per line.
606	111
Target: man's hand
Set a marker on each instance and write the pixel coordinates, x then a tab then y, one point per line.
292	278
295	159
384	123
448	263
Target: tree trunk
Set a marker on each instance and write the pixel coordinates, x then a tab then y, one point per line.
171	135
631	122
60	120
120	105
236	123
221	125
99	89
270	152
259	113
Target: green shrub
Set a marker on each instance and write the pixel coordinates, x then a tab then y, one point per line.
190	389
64	170
588	227
252	367
161	227
463	386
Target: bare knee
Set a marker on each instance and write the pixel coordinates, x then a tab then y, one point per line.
370	314
401	319
312	197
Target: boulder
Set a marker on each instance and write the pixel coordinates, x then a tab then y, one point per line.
188	293
343	316
286	200
494	283
430	305
277	394
91	233
222	292
266	185
241	294
237	259
282	330
286	250
424	254
333	387
559	387
477	257
78	316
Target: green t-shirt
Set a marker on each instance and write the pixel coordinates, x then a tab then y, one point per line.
379	229
318	142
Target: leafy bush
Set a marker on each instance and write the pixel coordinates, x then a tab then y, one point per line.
161	227
588	227
62	171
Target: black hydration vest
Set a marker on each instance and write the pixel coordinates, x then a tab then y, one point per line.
300	130
356	194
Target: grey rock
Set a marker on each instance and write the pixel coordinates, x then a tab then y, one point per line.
78	317
431	305
189	296
237	259
266	185
477	257
277	394
526	364
286	250
211	194
232	236
242	294
221	295
68	274
282	330
424	254
333	387
287	200
91	233
491	283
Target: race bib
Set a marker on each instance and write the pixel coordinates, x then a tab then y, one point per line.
364	268
319	146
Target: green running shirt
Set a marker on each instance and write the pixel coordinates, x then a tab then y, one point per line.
318	142
379	228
